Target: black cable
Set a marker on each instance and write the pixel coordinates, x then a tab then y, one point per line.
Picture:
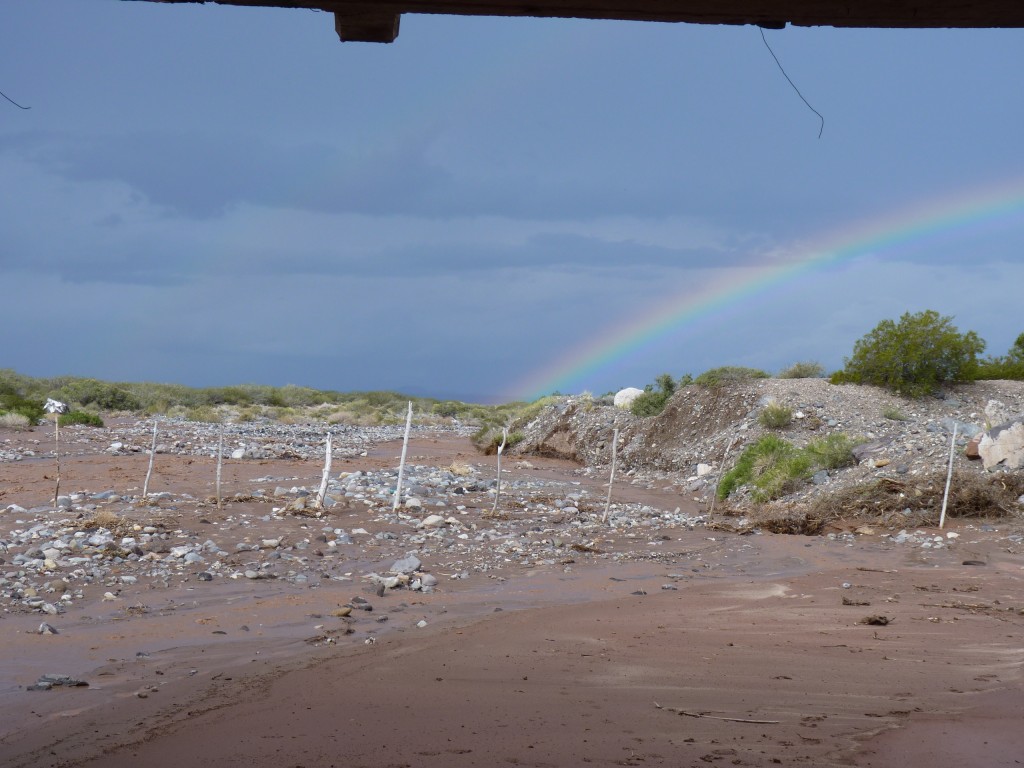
13	101
783	71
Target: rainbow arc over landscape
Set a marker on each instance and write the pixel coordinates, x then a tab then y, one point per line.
874	237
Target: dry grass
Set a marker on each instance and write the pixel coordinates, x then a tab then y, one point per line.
15	421
897	503
113	522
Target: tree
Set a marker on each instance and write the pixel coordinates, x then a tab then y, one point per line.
914	356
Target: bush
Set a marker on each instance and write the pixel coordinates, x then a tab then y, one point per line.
913	357
833	451
653	401
726	374
15	421
808	370
1009	367
774	467
893	413
775	416
12	401
79	417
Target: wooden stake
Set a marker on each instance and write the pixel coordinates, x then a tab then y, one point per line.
949	477
401	464
322	493
220	461
149	472
611	478
504	438
56	453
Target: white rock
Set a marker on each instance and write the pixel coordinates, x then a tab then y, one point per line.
432	521
703	469
238	453
624	397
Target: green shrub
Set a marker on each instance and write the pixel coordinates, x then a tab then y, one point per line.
913	357
774	467
806	370
775	416
656	396
726	374
893	413
79	417
12	401
1009	367
833	451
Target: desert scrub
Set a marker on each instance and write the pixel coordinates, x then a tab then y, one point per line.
726	374
656	396
893	413
775	416
772	466
775	467
833	451
16	421
805	370
913	357
80	417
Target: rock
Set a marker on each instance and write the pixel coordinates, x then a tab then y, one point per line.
428	580
997	412
820	477
238	453
47	629
862	451
704	469
971	451
962	427
414	503
407	564
879	463
624	397
433	521
1003	445
421	623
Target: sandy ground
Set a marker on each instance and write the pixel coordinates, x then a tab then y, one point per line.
724	649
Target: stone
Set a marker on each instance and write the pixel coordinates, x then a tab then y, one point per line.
624	397
433	521
1003	445
704	469
414	503
862	451
971	451
428	580
238	453
820	477
407	564
962	427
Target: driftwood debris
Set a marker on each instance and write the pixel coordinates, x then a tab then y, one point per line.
686	713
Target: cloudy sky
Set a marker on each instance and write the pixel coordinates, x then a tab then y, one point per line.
491	208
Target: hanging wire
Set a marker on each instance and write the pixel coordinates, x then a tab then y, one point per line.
13	101
783	71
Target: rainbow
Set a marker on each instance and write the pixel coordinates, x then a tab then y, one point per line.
678	313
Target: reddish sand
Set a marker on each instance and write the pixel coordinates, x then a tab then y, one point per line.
753	659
